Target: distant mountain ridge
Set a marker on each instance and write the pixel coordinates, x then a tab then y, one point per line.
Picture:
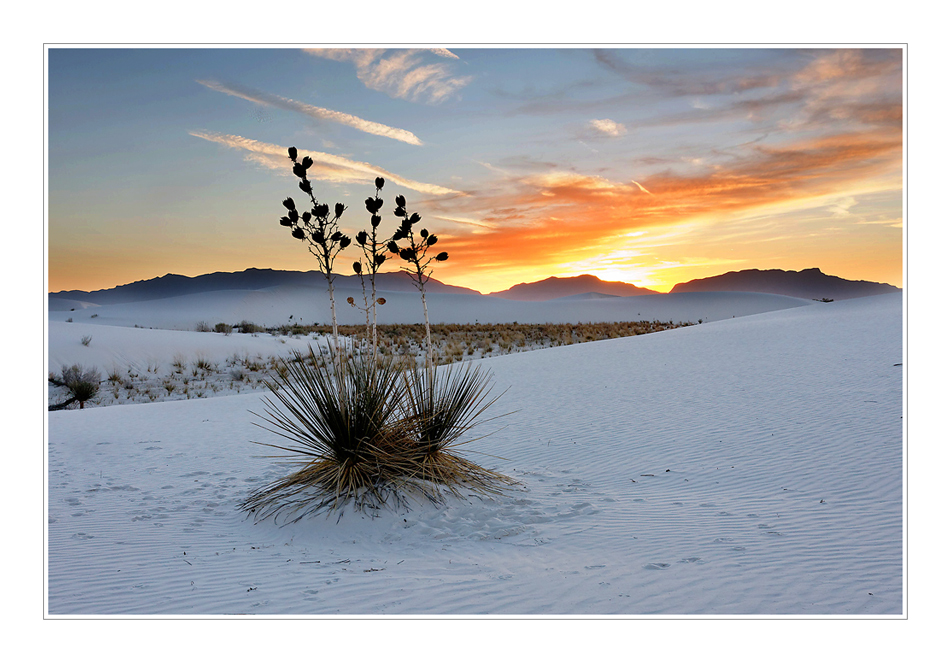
804	284
174	285
557	288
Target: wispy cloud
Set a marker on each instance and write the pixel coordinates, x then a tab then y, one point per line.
640	186
608	127
402	74
327	167
315	112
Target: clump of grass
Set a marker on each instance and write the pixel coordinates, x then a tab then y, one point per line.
82	384
223	327
441	407
344	438
249	327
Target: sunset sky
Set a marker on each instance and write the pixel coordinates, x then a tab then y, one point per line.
650	166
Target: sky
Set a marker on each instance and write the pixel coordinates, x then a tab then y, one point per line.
652	166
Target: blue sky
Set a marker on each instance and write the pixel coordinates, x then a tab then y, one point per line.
652	166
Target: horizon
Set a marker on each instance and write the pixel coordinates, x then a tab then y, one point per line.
646	166
316	271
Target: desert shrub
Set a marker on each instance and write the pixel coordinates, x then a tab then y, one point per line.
223	327
82	384
249	327
203	327
338	418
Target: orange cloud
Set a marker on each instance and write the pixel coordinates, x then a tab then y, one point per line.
538	221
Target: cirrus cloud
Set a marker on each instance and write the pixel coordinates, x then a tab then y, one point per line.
265	99
326	167
402	74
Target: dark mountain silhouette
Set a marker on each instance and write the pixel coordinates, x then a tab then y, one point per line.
556	288
804	284
173	285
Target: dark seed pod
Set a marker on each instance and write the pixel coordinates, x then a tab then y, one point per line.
305	186
299	170
306	217
379	259
375	221
442	257
379	182
399	211
400	201
357	268
289	203
371	205
407	254
399	234
336	236
298	233
393	248
415	218
423	233
361	237
292	152
344	242
350	301
321	210
293	215
338	209
318	237
431	240
381	301
286	222
306	163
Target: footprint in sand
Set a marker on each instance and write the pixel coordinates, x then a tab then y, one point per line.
656	566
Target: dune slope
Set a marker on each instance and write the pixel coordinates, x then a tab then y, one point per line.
749	466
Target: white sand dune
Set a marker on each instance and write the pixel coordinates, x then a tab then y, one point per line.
273	307
749	466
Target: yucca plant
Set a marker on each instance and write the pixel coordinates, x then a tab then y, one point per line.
416	255
340	425
374	255
441	407
82	384
319	230
367	429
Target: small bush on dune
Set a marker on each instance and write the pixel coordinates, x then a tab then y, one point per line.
82	384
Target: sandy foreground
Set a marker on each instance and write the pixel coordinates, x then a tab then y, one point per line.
750	466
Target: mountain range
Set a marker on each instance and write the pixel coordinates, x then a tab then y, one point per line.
805	284
555	288
174	285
